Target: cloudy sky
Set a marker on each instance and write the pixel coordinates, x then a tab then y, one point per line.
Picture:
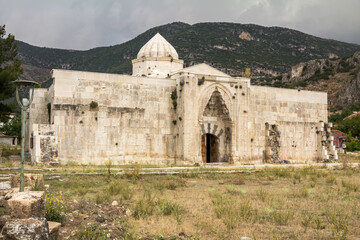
84	24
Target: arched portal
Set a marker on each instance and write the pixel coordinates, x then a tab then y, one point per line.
209	148
216	130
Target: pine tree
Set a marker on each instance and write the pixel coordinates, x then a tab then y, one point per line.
10	70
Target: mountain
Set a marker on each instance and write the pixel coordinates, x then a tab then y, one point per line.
339	77
229	47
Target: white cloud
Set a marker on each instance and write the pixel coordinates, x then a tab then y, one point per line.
84	24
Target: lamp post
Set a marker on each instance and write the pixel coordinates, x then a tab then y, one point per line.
24	106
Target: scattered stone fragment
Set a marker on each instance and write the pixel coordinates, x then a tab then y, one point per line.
114	203
54	228
2	201
3	220
5	185
26	229
27	204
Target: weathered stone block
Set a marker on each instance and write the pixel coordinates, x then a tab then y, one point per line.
27	204
26	229
54	228
29	180
3	220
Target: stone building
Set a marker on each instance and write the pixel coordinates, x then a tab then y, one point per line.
167	114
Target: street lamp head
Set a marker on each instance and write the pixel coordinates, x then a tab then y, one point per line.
24	83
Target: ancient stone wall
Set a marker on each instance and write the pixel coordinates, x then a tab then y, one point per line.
97	117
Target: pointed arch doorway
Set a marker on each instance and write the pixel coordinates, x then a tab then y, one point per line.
216	130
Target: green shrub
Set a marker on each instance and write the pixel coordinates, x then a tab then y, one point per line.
339	222
56	207
282	217
124	189
132	172
145	206
232	212
93	105
91	232
263	195
102	197
282	172
166	207
201	81
331	180
349	186
37	186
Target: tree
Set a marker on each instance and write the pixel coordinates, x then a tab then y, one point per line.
12	127
10	70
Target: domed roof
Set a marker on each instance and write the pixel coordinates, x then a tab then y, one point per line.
157	46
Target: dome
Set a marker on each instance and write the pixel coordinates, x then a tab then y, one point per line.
157	46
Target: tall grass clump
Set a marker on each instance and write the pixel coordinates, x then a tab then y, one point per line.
91	232
108	165
102	197
231	212
282	172
166	207
349	186
125	191
145	206
132	171
339	222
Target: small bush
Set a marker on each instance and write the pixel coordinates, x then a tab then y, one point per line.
166	207
56	208
263	195
8	151
331	180
145	206
234	191
93	105
91	232
281	217
349	186
122	189
306	220
37	186
71	164
232	212
102	197
201	81
282	172
339	222
7	164
132	172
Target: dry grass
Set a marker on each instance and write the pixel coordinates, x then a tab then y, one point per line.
283	203
308	203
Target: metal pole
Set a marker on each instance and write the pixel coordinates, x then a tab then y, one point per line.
23	108
23	118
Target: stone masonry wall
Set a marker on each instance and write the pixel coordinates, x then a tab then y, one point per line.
131	122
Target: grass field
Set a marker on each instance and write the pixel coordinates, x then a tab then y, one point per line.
267	203
305	203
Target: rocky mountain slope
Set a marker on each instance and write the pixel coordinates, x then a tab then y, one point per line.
230	47
339	77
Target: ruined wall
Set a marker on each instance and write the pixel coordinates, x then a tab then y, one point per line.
296	115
